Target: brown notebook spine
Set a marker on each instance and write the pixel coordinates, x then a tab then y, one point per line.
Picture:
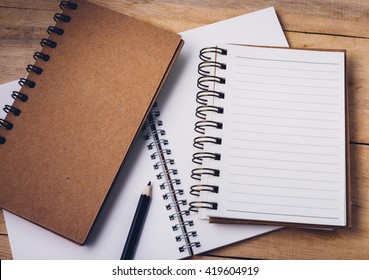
208	77
183	226
35	69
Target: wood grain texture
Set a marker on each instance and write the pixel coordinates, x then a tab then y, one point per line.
5	252
341	24
2	224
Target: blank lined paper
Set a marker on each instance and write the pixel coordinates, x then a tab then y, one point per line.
283	137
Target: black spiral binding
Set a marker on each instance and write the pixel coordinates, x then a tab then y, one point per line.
208	69
38	56
168	173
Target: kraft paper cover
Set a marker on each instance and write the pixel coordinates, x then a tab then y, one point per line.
67	145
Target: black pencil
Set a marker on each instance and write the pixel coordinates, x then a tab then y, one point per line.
137	224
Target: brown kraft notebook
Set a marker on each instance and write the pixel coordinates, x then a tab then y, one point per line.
77	113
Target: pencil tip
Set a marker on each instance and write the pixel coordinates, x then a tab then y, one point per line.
147	191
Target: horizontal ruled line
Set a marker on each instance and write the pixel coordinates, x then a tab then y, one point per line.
285	160
285	152
285	109
283	178
289	77
288	126
287	60
285	143
283	214
284	169
284	205
286	68
284	92
281	117
283	187
286	101
285	134
285	196
288	85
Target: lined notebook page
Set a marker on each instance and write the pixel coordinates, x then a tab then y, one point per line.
283	149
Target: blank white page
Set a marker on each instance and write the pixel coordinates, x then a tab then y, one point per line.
283	152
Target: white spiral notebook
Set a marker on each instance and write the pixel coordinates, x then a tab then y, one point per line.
170	230
272	144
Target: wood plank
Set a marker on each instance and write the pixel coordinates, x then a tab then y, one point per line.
5	252
317	244
20	33
2	224
328	17
31	5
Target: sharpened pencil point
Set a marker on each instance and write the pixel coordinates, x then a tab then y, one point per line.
148	190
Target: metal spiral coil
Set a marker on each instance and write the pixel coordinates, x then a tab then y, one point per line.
155	132
179	214
176	203
32	68
40	55
167	172
204	82
167	161
201	125
189	246
11	109
209	69
67	4
203	95
203	66
173	193
196	205
207	50
202	110
183	225
160	153
152	122
188	234
171	182
156	142
198	157
197	189
199	141
198	172
6	124
21	96
26	82
53	29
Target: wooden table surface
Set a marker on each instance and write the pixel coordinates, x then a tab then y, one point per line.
342	24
